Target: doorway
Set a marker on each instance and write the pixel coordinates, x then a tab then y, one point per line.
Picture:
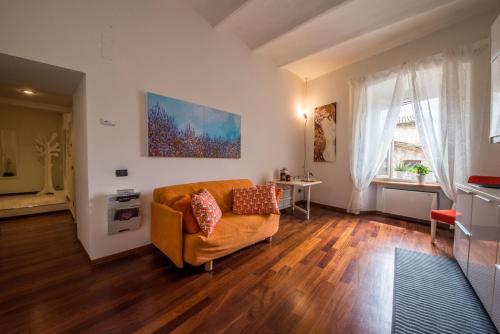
36	137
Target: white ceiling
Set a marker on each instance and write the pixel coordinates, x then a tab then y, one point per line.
53	85
314	37
386	38
215	13
259	22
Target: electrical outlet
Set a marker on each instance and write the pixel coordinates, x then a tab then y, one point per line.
121	172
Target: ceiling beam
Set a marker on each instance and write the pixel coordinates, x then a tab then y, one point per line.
233	13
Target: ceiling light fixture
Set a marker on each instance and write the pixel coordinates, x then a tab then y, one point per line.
28	92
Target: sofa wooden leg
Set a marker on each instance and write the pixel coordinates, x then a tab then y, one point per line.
209	266
269	240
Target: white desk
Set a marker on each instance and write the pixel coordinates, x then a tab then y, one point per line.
307	186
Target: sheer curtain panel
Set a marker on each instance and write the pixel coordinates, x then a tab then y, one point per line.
375	102
444	95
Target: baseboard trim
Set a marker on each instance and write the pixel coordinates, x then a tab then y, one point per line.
20	193
134	251
372	212
410	219
329	207
83	248
28	215
342	210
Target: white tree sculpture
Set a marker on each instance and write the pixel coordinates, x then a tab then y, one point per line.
47	149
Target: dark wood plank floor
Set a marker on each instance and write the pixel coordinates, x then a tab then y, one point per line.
333	274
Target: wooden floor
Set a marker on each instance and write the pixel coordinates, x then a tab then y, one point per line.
333	274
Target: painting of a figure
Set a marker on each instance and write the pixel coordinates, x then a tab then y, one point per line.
178	128
325	118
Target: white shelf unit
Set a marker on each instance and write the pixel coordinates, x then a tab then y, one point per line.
124	212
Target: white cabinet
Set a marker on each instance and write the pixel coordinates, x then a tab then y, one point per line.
495	102
476	247
483	248
495	312
495	82
461	246
462	228
495	38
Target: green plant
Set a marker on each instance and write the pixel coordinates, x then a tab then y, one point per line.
421	169
402	167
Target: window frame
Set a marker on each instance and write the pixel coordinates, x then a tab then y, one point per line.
390	158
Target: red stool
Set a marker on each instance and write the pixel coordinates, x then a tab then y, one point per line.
443	216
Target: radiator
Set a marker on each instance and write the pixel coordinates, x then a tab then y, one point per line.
409	203
286	197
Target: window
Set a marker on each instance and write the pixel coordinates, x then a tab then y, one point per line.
406	149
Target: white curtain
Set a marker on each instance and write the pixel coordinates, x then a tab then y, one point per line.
444	95
375	102
445	89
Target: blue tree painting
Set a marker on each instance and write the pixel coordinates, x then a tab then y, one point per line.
178	128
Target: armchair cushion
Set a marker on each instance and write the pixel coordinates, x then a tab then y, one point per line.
189	223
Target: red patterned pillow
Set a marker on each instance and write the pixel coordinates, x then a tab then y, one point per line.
277	191
259	200
206	211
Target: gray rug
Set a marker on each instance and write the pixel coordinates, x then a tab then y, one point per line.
432	295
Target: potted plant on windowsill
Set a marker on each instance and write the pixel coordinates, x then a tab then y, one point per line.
402	170
421	172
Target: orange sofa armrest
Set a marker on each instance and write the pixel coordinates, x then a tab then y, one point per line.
166	232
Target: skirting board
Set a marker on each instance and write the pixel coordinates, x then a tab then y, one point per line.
374	212
21	193
146	249
413	220
30	214
337	209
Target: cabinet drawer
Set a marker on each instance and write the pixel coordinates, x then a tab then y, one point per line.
464	208
461	245
483	249
495	312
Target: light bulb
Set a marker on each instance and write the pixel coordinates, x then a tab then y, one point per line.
28	92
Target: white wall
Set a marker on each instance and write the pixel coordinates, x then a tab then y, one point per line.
30	123
80	161
127	48
333	87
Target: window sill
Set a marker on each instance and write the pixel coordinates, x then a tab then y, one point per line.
406	183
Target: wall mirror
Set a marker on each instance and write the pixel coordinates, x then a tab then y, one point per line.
8	153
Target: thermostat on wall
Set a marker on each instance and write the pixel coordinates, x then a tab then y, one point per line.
107	122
